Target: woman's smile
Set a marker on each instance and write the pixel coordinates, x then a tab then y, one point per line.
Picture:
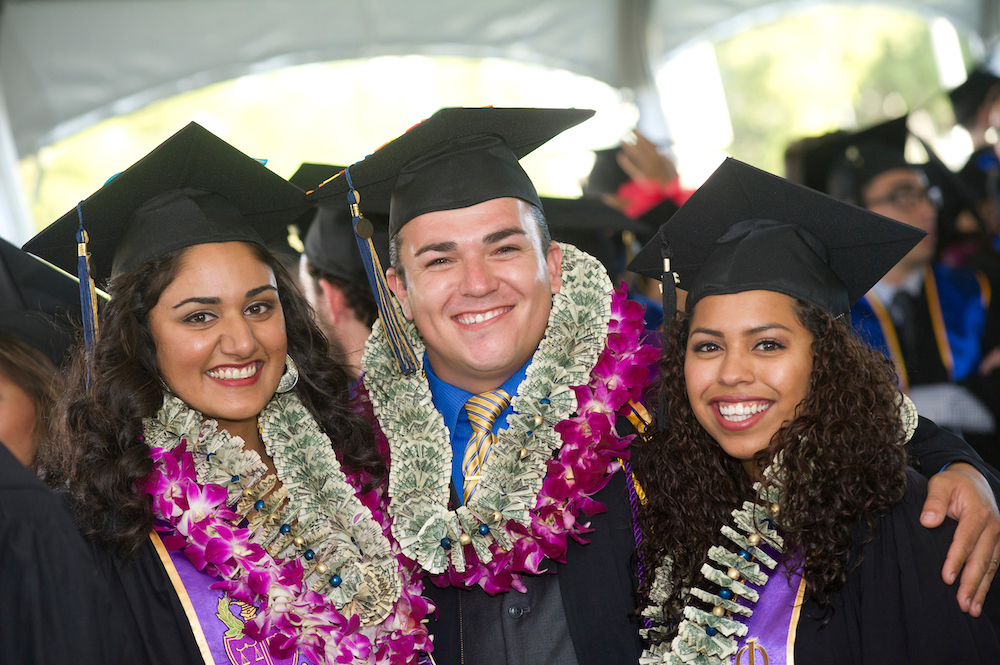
739	414
747	366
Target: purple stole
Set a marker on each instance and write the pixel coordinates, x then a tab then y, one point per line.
216	620
770	638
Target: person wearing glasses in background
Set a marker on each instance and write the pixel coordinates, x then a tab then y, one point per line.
938	324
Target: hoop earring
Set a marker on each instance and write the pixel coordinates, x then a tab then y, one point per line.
290	377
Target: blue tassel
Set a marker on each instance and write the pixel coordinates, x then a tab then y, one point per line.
406	358
88	294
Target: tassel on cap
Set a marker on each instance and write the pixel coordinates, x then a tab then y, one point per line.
88	294
669	284
406	358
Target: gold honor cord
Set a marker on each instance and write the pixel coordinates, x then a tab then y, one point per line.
182	595
891	339
937	321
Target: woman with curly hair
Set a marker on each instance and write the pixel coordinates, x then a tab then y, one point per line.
781	522
206	439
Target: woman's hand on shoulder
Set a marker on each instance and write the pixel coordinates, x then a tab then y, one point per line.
961	492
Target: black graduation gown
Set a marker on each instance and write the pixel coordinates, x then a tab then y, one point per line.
53	604
895	608
153	612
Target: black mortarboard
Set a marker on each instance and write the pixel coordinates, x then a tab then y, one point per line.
746	229
192	189
289	246
310	175
455	159
38	304
459	157
968	97
842	163
594	227
329	241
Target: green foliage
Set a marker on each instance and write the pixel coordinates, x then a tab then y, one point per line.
822	70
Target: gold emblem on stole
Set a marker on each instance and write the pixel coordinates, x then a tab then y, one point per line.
751	648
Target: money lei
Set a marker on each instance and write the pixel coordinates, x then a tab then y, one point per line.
312	529
511	524
704	638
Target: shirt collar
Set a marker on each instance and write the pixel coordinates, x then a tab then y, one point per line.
449	400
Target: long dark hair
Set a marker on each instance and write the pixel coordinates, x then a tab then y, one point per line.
99	454
841	458
30	369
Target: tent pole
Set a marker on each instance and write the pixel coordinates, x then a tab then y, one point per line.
16	223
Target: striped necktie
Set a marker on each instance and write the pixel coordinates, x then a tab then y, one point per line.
483	411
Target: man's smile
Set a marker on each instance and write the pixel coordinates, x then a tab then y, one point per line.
470	318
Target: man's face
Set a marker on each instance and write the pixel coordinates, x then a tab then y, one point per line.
901	194
479	288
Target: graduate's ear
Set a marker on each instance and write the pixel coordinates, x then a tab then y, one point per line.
398	287
336	302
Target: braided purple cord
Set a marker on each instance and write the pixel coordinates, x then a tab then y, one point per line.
633	502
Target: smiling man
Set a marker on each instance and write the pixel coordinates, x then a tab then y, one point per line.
498	394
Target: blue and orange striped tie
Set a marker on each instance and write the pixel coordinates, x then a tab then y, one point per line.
483	411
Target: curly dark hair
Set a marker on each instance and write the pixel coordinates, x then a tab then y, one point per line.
841	458
98	454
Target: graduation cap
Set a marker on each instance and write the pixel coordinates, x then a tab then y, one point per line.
746	229
593	227
290	246
968	97
194	188
37	302
459	157
311	175
842	163
329	243
328	240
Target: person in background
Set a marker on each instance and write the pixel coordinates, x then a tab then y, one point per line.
44	564
976	104
54	605
939	325
642	182
332	272
780	518
36	308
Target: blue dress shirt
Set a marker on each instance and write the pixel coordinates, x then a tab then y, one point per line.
449	401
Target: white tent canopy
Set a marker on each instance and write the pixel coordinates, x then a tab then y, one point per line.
67	64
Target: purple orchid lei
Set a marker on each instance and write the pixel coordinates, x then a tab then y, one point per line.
591	452
195	519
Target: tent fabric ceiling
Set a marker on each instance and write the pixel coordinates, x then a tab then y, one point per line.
66	64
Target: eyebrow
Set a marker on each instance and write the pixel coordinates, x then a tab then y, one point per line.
437	247
215	301
502	234
488	239
747	333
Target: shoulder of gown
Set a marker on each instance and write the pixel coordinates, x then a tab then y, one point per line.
895	607
54	605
